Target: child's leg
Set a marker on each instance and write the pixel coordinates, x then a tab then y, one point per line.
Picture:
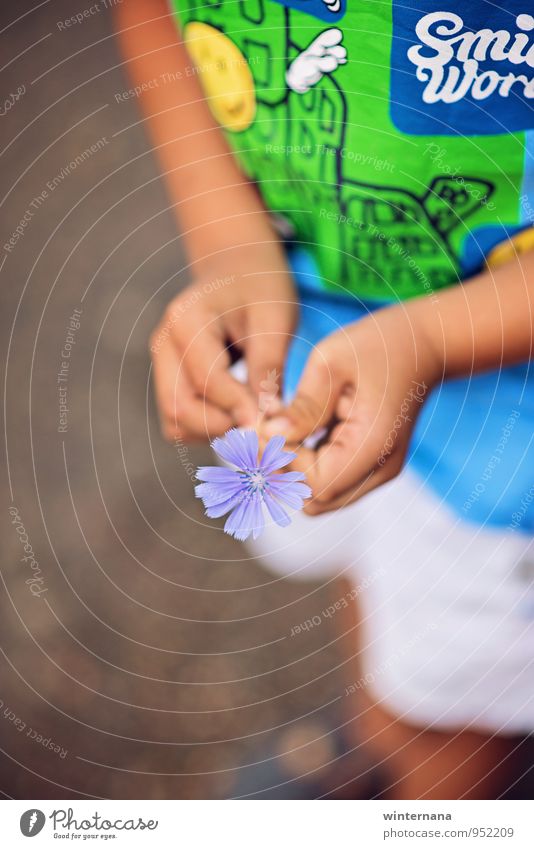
426	764
413	762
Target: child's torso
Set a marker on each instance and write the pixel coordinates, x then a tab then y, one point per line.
399	168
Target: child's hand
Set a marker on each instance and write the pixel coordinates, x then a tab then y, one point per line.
366	383
254	310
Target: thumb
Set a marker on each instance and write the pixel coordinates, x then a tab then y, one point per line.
314	404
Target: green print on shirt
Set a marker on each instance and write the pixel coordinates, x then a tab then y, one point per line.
385	214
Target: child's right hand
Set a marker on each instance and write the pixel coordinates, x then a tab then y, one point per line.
254	310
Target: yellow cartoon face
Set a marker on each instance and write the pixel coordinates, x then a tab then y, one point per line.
225	75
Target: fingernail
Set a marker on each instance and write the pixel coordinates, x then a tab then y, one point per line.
278	425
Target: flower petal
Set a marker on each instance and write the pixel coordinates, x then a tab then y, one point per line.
288	476
216	493
215	474
246	519
218	510
291	494
283	458
272	450
234	524
297	488
250	438
273	457
256	516
239	449
277	512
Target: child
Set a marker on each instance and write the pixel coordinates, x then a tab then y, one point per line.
391	146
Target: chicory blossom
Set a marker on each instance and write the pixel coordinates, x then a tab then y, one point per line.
250	484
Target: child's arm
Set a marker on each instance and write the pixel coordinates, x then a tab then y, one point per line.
217	205
373	376
228	237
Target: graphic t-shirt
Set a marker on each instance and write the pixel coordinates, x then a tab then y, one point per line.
397	140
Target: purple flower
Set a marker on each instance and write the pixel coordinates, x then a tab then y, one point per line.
242	491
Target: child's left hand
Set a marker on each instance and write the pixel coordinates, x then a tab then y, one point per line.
365	383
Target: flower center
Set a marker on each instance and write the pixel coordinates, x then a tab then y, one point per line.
256	480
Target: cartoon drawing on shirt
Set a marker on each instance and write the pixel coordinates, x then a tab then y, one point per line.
322	56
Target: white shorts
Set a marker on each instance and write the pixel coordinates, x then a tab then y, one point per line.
448	607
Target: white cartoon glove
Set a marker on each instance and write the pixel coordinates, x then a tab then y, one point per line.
321	57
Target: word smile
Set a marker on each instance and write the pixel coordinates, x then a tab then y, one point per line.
449	56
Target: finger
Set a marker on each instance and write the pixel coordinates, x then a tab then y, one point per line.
339	52
308	462
326	39
327	63
198	420
269	329
372	480
314	403
206	360
345	459
181	413
174	433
